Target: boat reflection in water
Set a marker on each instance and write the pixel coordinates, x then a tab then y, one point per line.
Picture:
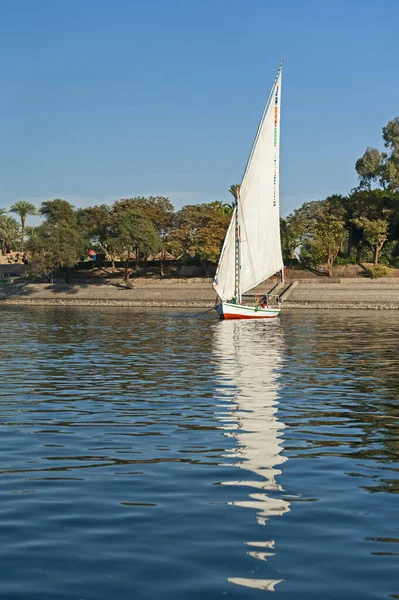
249	355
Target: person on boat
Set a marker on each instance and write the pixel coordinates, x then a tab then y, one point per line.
263	302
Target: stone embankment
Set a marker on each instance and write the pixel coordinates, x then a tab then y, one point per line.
197	293
344	294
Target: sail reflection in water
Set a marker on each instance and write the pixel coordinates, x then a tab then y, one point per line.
250	355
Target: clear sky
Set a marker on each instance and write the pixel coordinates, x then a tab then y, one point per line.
103	99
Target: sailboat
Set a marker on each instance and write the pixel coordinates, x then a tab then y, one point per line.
252	249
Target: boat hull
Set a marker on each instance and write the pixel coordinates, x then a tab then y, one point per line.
226	310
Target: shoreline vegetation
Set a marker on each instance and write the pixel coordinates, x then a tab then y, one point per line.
353	236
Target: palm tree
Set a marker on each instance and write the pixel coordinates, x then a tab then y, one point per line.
23	209
222	207
235	190
9	233
30	232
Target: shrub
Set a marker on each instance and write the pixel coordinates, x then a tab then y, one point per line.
375	271
389	254
343	261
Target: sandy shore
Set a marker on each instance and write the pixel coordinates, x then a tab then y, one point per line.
198	293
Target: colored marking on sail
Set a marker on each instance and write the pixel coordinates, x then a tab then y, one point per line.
276	99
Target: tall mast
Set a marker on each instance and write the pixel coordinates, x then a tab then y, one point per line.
237	289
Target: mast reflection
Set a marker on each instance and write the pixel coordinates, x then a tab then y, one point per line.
249	355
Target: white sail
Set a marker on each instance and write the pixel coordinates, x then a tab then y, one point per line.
259	214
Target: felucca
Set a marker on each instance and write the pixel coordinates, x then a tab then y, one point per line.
252	249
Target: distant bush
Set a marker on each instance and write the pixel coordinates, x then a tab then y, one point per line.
343	261
389	254
375	271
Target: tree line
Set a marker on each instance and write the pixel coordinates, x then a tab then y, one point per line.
129	231
361	227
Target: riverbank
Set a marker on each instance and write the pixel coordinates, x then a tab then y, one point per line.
340	294
193	292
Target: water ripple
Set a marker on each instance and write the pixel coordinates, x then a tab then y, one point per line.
166	457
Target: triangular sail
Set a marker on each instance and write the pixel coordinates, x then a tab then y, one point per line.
259	214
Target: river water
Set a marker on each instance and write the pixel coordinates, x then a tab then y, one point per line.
171	457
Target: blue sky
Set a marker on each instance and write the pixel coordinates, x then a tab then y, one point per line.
104	99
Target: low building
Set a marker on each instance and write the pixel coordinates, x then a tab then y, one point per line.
12	271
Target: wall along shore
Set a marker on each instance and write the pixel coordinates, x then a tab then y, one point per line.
320	293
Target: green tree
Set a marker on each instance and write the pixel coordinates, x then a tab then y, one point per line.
58	211
58	242
9	233
54	246
94	222
23	209
375	233
159	210
318	230
222	207
290	235
30	232
134	234
200	229
372	211
382	167
328	236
